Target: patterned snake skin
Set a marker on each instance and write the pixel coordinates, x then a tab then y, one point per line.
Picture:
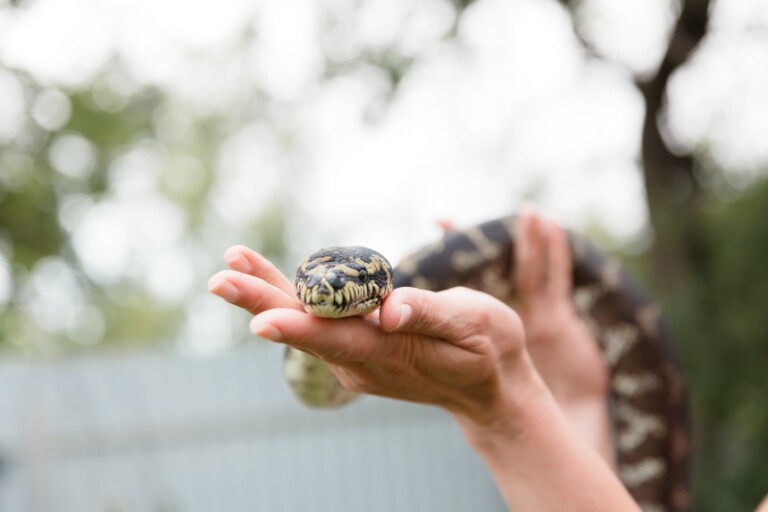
647	399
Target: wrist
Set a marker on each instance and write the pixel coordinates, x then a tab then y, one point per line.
508	415
538	460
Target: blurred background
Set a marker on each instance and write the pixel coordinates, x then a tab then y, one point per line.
139	139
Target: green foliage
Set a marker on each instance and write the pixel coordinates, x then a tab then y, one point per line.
36	225
29	217
733	395
719	319
110	130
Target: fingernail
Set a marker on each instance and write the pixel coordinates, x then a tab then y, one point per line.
223	289
266	331
405	315
235	258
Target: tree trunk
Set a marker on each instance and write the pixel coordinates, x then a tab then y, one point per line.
673	193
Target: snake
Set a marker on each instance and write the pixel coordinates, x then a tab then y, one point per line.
647	401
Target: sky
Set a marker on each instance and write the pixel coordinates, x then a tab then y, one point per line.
511	111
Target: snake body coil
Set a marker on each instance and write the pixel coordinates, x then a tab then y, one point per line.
647	397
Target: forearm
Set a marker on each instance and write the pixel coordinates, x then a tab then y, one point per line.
540	462
591	419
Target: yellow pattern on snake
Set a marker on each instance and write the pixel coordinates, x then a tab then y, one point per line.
648	400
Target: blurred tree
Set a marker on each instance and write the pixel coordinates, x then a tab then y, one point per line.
44	200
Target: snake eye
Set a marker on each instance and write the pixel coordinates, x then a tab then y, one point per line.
363	275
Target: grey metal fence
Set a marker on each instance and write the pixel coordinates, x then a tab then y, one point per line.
162	433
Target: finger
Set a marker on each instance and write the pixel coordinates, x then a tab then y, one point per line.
528	252
248	261
250	292
339	341
451	315
559	261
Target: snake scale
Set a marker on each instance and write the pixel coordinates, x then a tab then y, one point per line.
648	400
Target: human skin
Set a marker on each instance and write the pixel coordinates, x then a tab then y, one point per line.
560	344
459	349
563	350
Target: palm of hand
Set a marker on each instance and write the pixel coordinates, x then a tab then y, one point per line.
447	353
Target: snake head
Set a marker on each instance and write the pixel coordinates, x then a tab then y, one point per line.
336	282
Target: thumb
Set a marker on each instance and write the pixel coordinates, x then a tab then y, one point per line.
396	313
450	314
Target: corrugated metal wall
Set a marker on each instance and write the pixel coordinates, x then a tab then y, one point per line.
159	432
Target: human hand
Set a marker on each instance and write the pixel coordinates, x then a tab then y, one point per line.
561	345
564	350
254	283
459	349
